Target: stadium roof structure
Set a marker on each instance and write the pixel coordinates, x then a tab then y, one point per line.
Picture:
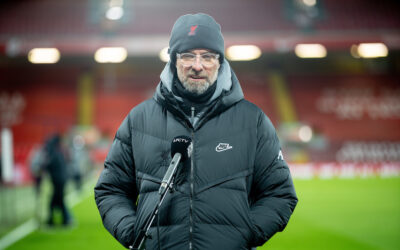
79	27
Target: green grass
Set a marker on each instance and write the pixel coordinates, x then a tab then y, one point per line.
343	214
20	203
17	206
331	214
88	233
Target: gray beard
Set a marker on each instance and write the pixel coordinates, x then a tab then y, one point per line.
196	88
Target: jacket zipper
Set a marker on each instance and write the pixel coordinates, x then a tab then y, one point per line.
191	189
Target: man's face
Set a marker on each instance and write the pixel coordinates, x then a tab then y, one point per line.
198	76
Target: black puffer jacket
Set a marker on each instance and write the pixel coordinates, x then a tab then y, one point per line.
235	192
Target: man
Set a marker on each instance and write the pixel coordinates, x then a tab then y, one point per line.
56	166
236	190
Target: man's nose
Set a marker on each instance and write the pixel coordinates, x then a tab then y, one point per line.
197	64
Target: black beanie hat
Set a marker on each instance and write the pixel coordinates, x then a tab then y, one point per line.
196	31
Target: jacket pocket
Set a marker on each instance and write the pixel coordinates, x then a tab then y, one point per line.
148	197
226	182
224	202
252	227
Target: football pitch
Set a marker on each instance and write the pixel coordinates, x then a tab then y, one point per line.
331	214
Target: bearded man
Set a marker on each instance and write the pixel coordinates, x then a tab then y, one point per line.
235	192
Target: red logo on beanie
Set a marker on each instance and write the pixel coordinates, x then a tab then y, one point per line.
192	30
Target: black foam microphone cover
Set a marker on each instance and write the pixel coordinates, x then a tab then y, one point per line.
182	144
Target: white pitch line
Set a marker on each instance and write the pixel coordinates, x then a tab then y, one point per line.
31	225
18	233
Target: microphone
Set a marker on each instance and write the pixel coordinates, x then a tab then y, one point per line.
181	150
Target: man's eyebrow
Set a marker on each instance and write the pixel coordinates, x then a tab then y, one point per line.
192	50
201	53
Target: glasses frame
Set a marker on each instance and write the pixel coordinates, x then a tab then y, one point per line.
179	55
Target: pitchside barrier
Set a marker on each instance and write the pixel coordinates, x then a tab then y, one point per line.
328	170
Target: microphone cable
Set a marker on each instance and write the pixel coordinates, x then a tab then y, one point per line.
158	230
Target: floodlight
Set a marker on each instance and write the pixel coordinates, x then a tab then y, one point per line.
372	50
44	55
310	50
243	52
164	56
110	55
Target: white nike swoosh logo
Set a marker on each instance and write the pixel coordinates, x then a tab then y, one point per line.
223	147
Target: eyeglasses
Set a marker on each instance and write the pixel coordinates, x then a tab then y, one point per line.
206	59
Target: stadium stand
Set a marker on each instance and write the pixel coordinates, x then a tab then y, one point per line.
351	105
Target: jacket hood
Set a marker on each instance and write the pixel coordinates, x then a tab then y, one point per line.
227	92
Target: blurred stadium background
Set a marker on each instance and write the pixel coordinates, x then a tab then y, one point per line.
326	72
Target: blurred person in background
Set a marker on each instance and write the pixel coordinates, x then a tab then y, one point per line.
37	161
56	167
76	152
37	164
236	192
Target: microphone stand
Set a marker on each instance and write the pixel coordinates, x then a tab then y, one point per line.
166	185
140	240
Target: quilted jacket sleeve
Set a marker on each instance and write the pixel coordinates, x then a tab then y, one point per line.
115	191
273	196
